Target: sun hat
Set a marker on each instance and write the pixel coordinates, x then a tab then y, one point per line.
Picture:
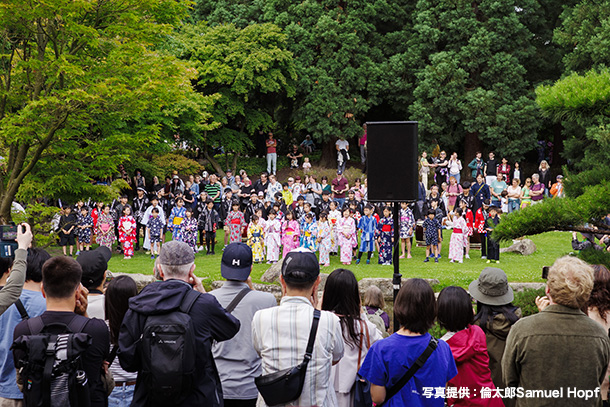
492	287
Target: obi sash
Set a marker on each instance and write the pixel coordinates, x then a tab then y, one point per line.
386	228
256	234
289	231
177	220
307	234
236	221
457	231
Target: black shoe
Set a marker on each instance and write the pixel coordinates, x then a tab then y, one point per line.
212	253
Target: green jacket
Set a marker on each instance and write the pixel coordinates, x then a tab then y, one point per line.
12	290
557	349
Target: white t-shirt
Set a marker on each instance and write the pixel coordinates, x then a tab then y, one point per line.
342	144
95	307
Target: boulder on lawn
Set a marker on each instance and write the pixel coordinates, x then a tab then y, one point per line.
273	273
523	246
142	280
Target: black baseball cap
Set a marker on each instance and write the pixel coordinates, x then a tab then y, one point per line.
236	262
300	266
94	263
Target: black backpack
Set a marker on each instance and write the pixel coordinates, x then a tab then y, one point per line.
52	367
168	354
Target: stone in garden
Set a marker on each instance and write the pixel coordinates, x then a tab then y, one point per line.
142	280
385	285
273	273
524	247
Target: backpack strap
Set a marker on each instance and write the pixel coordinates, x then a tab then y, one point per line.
378	312
21	309
312	336
77	325
240	295
188	300
35	325
47	372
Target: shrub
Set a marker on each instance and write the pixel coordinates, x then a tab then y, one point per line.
176	162
526	300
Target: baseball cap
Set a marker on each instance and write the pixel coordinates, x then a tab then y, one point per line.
94	263
300	266
339	172
175	253
236	262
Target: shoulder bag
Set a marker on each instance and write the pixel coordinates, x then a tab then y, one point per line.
286	385
362	387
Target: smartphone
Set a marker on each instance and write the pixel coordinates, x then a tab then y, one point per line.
545	272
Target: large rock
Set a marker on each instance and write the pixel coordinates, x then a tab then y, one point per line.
385	284
142	280
523	246
273	273
518	287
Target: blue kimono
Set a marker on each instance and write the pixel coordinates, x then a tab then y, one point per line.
368	226
174	221
385	232
309	234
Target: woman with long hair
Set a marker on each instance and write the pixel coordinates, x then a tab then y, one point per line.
598	309
341	296
118	293
388	360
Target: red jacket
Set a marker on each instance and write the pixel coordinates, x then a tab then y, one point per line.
479	220
469	348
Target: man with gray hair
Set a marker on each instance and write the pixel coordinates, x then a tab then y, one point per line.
180	292
558	356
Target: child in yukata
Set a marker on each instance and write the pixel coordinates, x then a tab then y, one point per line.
432	232
324	239
236	222
85	229
493	247
290	233
368	227
457	242
189	230
333	216
346	230
407	224
309	233
469	220
175	219
127	232
273	242
207	223
154	228
385	237
256	237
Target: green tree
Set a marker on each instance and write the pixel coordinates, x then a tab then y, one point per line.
248	69
82	88
471	87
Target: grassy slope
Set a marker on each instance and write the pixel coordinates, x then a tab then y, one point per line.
550	246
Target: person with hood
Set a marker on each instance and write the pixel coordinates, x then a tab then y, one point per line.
467	343
175	266
495	315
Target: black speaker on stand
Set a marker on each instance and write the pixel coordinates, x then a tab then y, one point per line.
392	175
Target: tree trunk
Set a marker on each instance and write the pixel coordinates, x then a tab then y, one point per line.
472	144
557	146
213	161
234	164
329	153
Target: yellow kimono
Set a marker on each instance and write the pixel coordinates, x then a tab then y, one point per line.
256	239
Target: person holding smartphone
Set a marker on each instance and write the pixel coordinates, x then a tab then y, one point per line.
14	284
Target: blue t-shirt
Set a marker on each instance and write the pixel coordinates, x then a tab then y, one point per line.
389	359
35	305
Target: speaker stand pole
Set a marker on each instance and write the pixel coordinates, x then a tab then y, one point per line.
397	277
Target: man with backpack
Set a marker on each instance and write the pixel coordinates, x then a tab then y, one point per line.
167	335
237	361
59	355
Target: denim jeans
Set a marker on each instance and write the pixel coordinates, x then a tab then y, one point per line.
271	163
513	205
340	202
121	396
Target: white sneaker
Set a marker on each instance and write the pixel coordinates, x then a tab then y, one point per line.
484	257
467	256
200	248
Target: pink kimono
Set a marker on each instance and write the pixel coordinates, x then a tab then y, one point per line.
346	226
272	239
456	244
290	236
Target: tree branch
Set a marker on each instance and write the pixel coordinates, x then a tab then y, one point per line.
581	229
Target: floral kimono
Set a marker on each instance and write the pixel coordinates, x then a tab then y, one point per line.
127	234
256	236
385	233
324	242
174	221
236	222
273	240
457	242
105	230
346	230
333	217
407	223
84	235
309	234
189	232
290	236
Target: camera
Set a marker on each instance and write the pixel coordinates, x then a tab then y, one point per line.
545	272
8	240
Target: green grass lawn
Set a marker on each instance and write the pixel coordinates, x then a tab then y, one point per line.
519	268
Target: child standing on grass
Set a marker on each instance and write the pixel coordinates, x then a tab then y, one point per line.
309	233
237	223
333	216
175	219
407	223
127	232
368	227
493	247
208	220
385	237
273	242
105	228
290	233
432	231
456	244
346	229
67	226
256	237
154	228
189	229
324	239
469	219
85	229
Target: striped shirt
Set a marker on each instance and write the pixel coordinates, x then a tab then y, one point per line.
280	335
212	190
